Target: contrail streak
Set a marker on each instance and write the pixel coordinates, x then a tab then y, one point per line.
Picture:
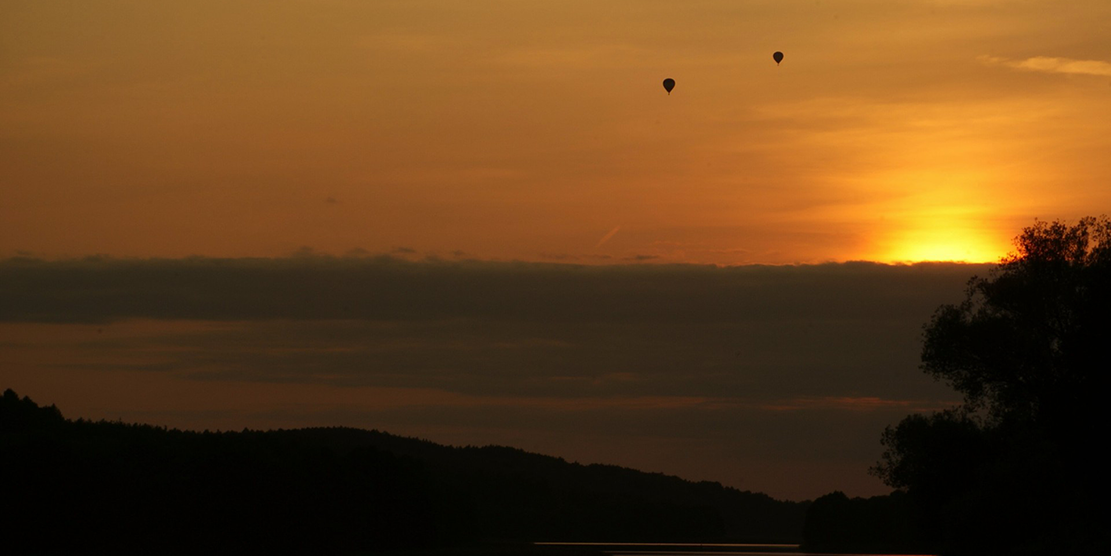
607	237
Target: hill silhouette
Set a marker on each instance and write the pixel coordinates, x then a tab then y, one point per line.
79	486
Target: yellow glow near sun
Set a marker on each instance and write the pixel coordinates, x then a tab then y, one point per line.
960	244
947	213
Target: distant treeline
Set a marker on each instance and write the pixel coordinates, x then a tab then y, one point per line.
110	487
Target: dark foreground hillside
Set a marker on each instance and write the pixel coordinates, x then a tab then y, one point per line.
100	487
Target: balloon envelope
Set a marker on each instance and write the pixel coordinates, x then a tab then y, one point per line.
669	84
778	56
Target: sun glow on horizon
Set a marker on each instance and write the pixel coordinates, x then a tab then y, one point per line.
949	244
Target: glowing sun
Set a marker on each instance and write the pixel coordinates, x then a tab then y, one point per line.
943	244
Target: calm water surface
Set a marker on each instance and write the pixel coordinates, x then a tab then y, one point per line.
693	549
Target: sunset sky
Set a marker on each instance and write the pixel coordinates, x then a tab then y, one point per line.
487	222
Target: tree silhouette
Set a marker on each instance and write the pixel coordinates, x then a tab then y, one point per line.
1027	342
1016	467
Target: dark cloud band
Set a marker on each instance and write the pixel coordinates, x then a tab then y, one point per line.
386	288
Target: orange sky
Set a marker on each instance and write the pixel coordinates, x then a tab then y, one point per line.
532	130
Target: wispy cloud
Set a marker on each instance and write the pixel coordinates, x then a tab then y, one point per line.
852	403
1052	65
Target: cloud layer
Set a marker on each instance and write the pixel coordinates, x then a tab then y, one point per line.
757	368
388	288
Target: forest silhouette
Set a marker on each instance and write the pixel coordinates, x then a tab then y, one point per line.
109	487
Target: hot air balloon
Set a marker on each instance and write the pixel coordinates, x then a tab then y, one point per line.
669	84
778	57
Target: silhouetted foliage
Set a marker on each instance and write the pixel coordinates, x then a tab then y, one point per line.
109	487
1018	467
1030	342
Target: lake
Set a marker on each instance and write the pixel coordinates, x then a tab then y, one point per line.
689	549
